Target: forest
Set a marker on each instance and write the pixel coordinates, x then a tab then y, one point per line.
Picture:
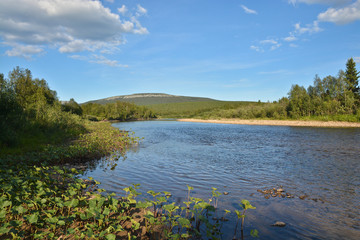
31	114
121	111
329	98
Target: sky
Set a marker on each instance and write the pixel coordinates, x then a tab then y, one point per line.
236	50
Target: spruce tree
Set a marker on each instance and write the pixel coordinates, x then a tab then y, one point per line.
352	77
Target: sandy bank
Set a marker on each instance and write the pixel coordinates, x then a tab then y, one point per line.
278	122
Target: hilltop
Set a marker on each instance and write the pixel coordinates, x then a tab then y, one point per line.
146	99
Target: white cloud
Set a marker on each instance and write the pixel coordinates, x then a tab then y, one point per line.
309	28
68	25
256	48
25	51
268	44
103	60
141	10
269	41
248	11
123	9
343	15
290	38
274	43
356	59
99	59
293	45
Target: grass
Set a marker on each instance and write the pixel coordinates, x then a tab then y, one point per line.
192	109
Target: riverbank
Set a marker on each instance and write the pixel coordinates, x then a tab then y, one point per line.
292	123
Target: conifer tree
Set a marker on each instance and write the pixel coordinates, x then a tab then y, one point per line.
352	77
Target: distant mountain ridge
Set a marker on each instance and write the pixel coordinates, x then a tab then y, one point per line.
146	99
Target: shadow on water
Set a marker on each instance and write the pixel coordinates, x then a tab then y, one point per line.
319	167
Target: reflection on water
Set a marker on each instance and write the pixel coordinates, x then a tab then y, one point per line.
322	163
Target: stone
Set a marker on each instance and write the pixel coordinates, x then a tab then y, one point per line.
279	224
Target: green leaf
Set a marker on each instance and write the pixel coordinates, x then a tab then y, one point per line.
254	233
184	222
246	205
33	218
89	232
2	214
52	219
72	203
106	211
61	222
5	204
110	237
4	229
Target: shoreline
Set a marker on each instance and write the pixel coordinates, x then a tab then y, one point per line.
290	123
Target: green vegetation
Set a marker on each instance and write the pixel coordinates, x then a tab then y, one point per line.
331	98
121	111
51	203
146	99
194	109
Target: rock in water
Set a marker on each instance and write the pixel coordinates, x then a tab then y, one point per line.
279	224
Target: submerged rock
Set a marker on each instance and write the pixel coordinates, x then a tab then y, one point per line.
302	197
279	224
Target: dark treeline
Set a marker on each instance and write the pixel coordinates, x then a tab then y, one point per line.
121	111
332	98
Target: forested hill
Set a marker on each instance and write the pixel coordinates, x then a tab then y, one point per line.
146	99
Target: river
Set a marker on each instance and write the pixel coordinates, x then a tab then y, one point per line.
320	165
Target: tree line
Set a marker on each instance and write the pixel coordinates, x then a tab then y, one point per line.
31	113
332	98
332	95
122	111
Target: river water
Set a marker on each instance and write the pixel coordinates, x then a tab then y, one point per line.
321	165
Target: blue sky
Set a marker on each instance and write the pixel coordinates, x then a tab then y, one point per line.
227	50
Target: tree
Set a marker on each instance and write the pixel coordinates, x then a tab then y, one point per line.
352	77
299	102
72	106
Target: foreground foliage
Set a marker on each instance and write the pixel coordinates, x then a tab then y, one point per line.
51	203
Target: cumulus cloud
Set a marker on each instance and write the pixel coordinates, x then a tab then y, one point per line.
343	15
247	10
68	25
123	9
25	51
356	59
